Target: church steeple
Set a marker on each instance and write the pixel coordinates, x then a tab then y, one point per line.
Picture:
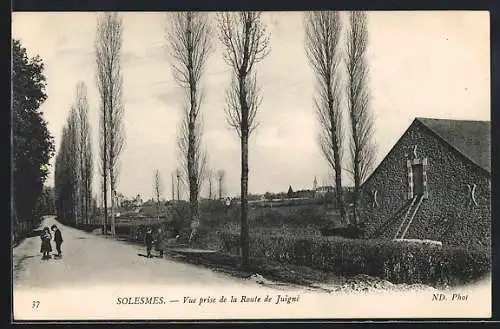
315	184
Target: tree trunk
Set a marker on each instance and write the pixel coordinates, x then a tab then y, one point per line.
112	185
193	182
354	127
210	188
105	172
338	186
220	188
245	247
76	201
178	188
173	187
103	204
357	183
191	163
88	207
158	210
336	156
356	204
83	181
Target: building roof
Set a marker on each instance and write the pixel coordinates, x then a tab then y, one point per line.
470	138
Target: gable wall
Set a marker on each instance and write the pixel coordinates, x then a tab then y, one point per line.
444	216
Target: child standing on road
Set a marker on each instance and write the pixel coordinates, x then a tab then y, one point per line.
46	247
148	240
57	239
159	241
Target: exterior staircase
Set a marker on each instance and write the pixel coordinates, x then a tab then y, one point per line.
383	231
408	218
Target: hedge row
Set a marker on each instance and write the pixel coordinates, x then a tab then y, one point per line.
395	262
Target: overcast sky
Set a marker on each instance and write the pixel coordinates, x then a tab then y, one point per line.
429	64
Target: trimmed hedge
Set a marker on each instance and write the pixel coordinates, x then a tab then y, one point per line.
395	262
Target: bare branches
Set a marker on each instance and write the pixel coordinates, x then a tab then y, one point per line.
234	116
245	40
362	146
192	157
330	118
110	85
157	190
210	178
189	39
157	185
221	175
110	80
67	170
188	36
322	30
322	36
84	147
246	43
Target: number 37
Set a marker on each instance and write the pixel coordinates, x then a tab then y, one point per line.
35	304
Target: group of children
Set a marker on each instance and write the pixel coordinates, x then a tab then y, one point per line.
157	239
46	247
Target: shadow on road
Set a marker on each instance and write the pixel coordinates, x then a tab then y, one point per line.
18	266
152	256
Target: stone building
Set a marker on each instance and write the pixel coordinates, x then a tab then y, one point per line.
435	184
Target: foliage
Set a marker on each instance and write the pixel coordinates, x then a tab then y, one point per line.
73	165
45	205
66	172
396	262
33	146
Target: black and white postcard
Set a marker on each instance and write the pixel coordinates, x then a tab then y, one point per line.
251	165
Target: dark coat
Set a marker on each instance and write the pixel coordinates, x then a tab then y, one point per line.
58	236
148	239
46	245
160	241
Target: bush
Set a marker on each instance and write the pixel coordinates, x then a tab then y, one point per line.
396	262
350	231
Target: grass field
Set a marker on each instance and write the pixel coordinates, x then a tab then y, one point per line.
292	235
293	220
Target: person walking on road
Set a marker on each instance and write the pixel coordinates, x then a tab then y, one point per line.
194	230
148	240
57	239
159	241
46	247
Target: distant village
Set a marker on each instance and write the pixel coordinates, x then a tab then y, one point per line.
137	207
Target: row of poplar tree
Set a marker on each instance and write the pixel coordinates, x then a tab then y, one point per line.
73	171
75	203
